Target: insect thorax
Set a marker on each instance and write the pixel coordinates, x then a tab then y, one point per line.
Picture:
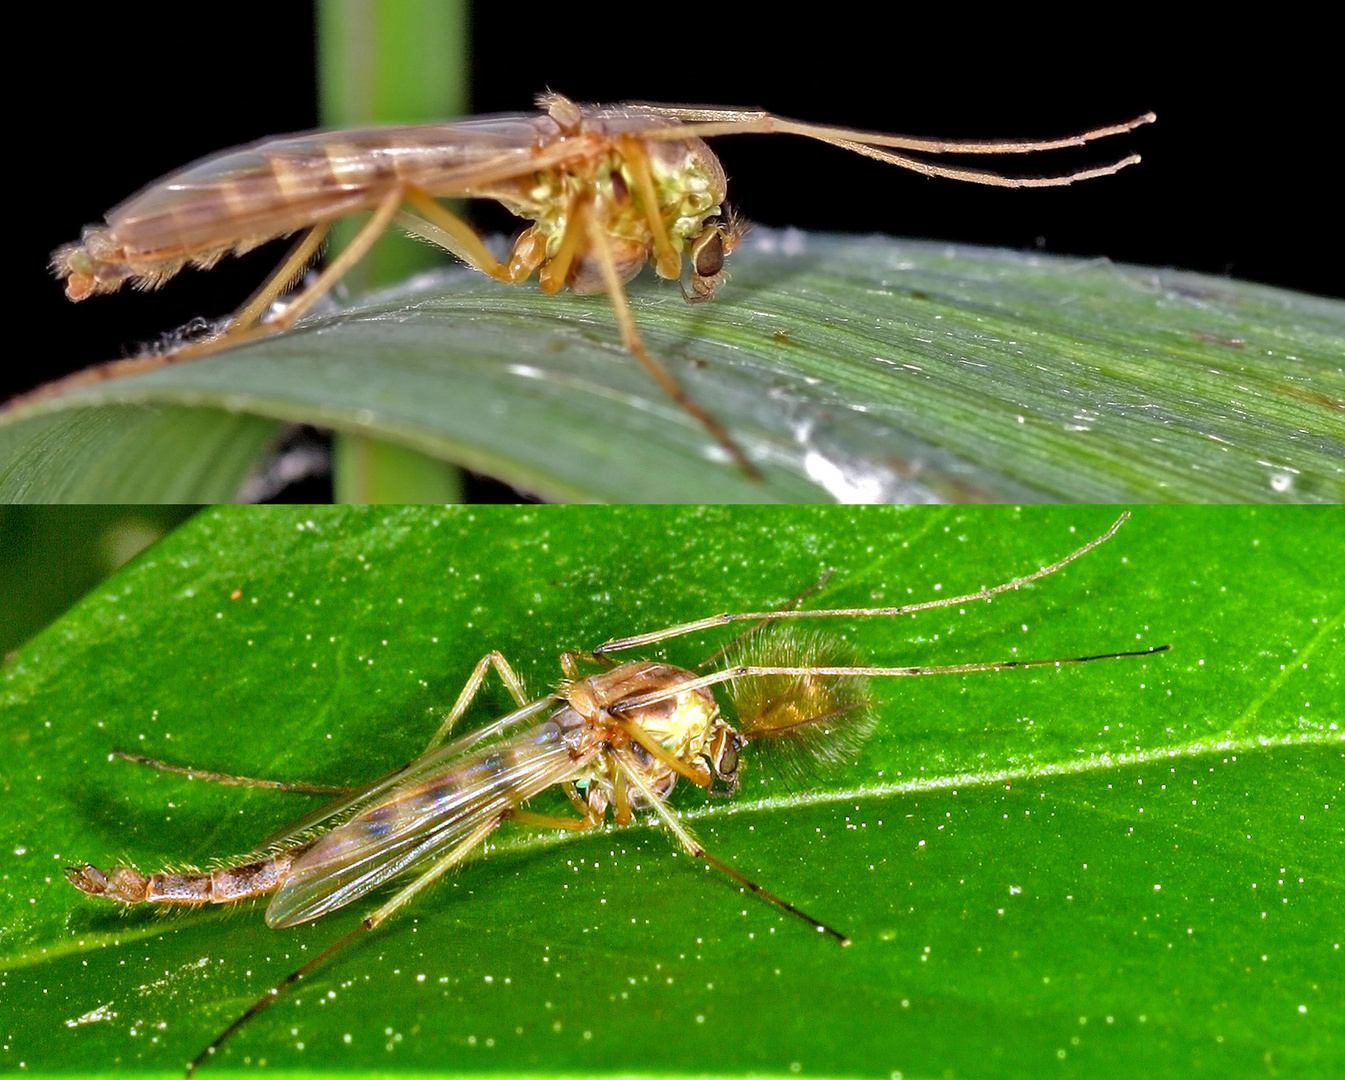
682	724
689	186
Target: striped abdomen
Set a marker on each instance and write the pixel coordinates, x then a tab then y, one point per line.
235	201
225	885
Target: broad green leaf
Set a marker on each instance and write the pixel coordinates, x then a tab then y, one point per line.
1123	868
852	369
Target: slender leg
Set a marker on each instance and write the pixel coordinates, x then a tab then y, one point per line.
440	226
511	682
692	846
669	263
234	781
621	813
630	338
576	800
554	272
353	252
443	228
550	821
245	325
283	277
370	922
451	233
242	326
698	774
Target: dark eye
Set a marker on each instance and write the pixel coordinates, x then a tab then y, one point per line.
727	764
707	253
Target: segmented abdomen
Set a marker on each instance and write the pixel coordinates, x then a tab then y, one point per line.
225	885
235	201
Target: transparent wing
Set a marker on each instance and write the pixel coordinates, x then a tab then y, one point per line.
440	759
423	816
279	186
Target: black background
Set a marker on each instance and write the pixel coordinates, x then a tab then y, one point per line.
1236	177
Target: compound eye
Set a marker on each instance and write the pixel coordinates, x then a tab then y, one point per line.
727	764
707	252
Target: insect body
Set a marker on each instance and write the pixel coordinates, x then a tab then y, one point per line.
607	189
619	757
616	739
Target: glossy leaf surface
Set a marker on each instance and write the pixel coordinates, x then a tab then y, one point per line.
849	369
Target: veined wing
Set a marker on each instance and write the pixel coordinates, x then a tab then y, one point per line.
279	186
421	818
439	760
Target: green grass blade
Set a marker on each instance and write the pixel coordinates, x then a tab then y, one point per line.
848	368
390	63
134	454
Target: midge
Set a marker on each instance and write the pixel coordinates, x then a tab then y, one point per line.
606	187
616	739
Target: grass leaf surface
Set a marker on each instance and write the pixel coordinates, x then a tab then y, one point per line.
853	369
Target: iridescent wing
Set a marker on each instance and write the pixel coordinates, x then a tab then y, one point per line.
436	760
440	800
